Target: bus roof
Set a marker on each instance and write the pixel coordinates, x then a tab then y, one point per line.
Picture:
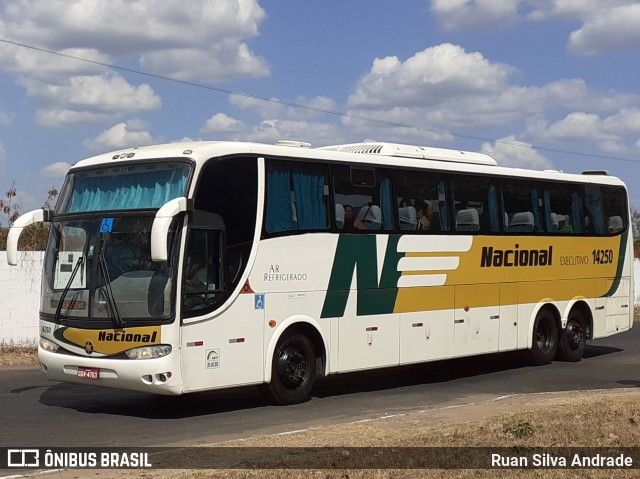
371	153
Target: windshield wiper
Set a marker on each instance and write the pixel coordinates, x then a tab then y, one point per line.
115	316
80	262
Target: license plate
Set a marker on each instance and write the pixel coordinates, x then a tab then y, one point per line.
88	373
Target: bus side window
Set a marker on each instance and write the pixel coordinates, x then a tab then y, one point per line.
419	204
473	193
615	210
367	192
297	197
521	207
563	207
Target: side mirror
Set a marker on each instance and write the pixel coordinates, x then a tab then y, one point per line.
161	224
35	216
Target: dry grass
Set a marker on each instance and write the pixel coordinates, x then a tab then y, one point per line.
602	419
18	356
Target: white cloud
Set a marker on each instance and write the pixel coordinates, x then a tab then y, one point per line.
124	27
460	14
200	40
120	28
613	134
614	28
625	123
508	151
221	123
427	77
218	62
577	126
88	99
265	109
610	132
569	10
123	135
106	93
47	67
445	89
605	24
55	171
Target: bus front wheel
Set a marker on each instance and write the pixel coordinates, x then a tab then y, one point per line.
293	370
573	339
545	339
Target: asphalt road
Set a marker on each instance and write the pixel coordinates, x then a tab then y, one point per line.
36	412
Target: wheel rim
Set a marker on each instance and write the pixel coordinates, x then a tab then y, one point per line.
543	336
575	334
292	367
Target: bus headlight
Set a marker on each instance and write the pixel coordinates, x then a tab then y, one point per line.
149	352
49	346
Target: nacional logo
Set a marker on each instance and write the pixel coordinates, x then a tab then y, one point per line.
515	257
88	347
123	336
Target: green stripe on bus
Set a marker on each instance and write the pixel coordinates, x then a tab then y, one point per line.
359	253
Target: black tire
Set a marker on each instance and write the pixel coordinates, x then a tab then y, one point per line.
293	370
545	339
573	339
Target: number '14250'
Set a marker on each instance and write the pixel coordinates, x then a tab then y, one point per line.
602	256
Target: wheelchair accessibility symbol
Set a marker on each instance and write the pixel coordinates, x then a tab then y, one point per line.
258	301
106	225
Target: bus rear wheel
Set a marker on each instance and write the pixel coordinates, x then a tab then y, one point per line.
573	339
293	370
545	339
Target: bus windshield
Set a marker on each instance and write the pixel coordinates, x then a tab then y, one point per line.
100	269
140	186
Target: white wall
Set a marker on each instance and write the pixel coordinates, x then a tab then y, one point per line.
20	297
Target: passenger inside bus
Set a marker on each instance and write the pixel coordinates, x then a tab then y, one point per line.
563	224
349	219
424	213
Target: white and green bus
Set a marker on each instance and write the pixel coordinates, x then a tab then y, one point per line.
194	266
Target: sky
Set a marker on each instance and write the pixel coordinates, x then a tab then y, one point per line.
540	84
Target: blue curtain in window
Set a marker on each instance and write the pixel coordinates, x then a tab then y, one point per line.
576	212
593	202
537	213
442	206
385	204
494	213
311	208
547	209
139	190
279	212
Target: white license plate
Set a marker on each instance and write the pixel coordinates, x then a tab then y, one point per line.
88	373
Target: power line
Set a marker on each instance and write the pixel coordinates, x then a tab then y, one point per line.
315	109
